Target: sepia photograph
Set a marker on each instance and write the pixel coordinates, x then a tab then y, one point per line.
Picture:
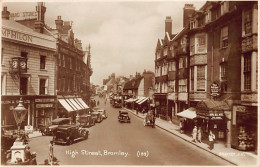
129	83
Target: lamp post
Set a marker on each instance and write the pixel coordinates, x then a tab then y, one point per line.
19	114
18	147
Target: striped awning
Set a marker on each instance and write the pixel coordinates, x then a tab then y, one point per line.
140	99
143	100
67	106
82	103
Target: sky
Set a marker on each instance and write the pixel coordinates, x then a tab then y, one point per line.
122	34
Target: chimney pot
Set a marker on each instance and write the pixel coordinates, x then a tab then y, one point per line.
5	13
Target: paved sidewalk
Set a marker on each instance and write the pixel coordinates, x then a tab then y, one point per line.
231	155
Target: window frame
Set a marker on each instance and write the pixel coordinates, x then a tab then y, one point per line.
201	79
247	71
46	85
224	38
43	62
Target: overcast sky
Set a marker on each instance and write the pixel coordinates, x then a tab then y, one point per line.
123	35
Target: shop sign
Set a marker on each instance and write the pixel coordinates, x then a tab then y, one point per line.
28	129
17	35
23	15
44	100
214	89
44	105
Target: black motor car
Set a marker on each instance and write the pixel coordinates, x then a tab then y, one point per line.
123	116
54	124
86	120
97	116
67	134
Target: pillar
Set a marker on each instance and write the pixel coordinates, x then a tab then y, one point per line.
228	131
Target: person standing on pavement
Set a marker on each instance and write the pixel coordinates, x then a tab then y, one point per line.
211	140
51	152
27	154
194	134
199	134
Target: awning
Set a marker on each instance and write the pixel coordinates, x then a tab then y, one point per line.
75	104
143	100
130	100
66	105
140	99
82	102
190	113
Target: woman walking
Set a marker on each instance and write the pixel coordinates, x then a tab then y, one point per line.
211	140
194	134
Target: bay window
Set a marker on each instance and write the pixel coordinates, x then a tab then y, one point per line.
201	78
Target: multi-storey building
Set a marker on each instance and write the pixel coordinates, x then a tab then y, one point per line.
205	71
27	70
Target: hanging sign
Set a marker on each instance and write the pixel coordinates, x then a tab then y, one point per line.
215	89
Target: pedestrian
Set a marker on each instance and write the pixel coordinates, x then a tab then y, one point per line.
51	152
33	159
27	154
199	134
194	134
211	140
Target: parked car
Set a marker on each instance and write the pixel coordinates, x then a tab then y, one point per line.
96	116
123	116
103	113
117	105
54	124
86	120
67	134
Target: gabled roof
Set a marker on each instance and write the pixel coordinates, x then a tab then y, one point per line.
133	84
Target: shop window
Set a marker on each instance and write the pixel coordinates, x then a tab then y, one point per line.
247	72
43	86
192	78
224	37
248	21
42	62
201	78
23	85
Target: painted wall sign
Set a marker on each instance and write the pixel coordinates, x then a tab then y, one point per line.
215	89
23	15
17	35
44	105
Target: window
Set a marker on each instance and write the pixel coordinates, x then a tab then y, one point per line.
248	21
192	46
43	86
247	72
42	62
223	76
201	78
23	85
172	86
201	43
224	7
181	63
224	37
192	78
165	51
172	66
208	16
70	63
192	24
172	50
24	54
182	85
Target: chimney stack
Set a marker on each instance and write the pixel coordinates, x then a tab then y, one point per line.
5	13
168	25
188	10
39	24
59	23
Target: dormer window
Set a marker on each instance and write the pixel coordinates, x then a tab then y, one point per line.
208	16
192	24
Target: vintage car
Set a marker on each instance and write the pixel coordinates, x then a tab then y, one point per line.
103	113
96	116
117	105
54	124
86	120
67	134
149	119
123	116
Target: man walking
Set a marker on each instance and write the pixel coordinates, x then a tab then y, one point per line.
211	140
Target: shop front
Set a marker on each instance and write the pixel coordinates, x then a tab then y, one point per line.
244	128
161	105
213	116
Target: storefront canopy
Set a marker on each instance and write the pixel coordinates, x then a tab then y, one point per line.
139	99
211	109
66	105
190	113
73	104
130	100
143	100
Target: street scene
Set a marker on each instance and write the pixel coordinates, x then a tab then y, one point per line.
129	83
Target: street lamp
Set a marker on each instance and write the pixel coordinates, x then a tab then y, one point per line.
19	114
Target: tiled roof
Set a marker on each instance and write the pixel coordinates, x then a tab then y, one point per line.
133	84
